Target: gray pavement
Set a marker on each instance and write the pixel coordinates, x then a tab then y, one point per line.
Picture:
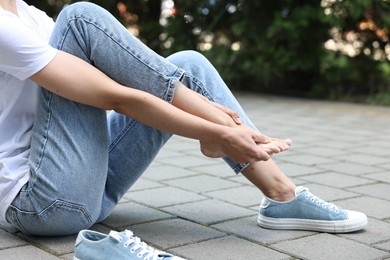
197	208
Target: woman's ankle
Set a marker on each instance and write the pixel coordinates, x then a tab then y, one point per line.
283	192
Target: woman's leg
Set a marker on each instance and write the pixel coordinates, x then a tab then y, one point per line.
202	77
133	146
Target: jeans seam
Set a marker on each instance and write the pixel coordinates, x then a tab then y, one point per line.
14	219
121	135
46	132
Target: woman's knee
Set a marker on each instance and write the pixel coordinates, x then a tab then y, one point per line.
84	10
188	58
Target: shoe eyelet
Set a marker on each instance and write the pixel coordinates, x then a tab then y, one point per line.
139	255
132	250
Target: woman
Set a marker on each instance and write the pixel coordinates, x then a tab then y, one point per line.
64	164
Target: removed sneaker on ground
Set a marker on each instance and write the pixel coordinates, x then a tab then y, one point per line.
92	245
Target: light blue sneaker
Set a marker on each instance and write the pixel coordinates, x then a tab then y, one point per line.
92	245
308	212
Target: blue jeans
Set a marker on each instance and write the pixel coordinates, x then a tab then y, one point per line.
84	160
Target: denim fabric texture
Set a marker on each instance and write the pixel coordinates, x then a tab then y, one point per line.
82	160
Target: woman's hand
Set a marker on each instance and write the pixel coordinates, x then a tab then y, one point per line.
233	114
266	144
240	144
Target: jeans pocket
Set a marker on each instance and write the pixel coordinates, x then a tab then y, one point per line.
58	219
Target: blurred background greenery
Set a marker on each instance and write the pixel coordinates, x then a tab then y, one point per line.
327	49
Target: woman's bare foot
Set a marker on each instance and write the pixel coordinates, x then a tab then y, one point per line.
275	145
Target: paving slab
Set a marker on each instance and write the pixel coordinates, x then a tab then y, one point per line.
220	170
233	248
209	211
384	246
188	161
175	232
55	245
381	176
375	232
330	193
123	215
247	228
26	252
294	169
364	158
326	246
165	196
378	190
145	184
201	183
9	240
243	196
336	180
373	207
350	168
307	159
159	172
385	166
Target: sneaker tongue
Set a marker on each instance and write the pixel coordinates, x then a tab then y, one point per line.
115	235
300	189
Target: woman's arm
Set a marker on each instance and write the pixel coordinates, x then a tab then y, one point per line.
74	79
192	102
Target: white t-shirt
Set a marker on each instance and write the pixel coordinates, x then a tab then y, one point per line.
24	50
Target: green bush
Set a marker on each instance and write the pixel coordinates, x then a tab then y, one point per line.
282	44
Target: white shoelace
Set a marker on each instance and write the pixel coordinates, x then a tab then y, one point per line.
321	202
135	243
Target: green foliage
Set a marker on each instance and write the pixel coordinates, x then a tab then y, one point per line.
342	75
279	50
282	44
144	16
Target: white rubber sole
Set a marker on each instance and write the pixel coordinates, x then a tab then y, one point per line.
355	222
